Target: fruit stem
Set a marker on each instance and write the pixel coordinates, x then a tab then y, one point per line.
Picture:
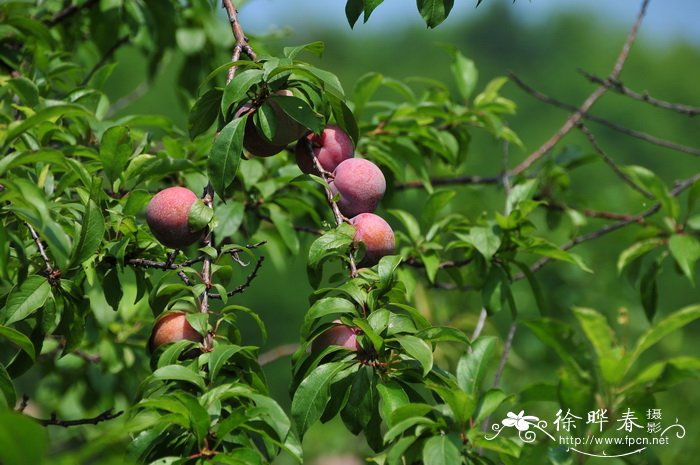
207	198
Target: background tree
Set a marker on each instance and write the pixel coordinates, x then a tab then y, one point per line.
412	350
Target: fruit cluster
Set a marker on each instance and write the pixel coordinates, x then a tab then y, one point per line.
357	183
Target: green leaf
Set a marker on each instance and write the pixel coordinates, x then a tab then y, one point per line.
686	251
92	230
312	395
353	10
419	350
560	337
18	339
386	268
199	216
285	228
299	111
219	356
225	155
26	299
23	441
204	112
391	397
433	206
649	181
344	117
178	373
329	306
649	287
663	328
636	250
546	249
331	243
7	389
440	450
601	336
365	87
26	90
45	114
238	88
115	150
434	12
464	73
409	222
487	240
472	367
317	48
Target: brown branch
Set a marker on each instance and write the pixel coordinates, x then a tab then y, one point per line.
104	416
458	180
571	122
415	262
241	40
607	229
611	163
69	11
630	132
605	215
617	86
245	285
277	353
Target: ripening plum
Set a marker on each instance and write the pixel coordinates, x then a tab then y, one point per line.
172	327
167	215
339	335
376	235
360	184
331	148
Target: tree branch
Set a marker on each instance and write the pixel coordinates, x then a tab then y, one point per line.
104	416
245	285
630	132
69	11
611	163
617	86
458	180
277	353
241	40
571	122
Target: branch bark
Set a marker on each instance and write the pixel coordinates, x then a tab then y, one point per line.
241	40
571	122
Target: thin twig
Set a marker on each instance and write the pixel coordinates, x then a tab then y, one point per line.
617	127
239	289
277	353
104	416
105	58
601	214
508	345
69	11
570	123
339	217
617	86
457	180
480	323
611	163
241	40
42	249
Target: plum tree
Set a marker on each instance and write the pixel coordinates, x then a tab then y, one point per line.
360	184
172	327
331	147
167	216
377	236
338	335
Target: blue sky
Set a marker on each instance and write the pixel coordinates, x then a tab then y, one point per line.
667	19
